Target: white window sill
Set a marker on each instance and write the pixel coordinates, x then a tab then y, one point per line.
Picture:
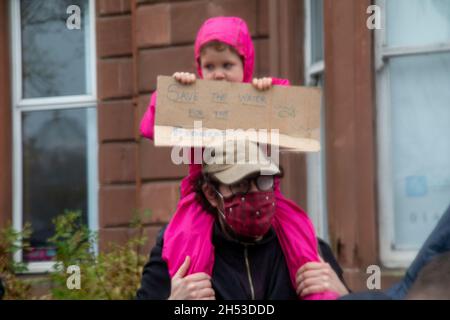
40	267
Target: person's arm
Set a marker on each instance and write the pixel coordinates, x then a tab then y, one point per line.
437	242
280	82
327	255
317	277
2	289
262	84
155	281
157	285
267	82
147	126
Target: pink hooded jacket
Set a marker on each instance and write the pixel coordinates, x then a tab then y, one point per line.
188	230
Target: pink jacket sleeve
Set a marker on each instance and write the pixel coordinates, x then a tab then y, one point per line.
280	82
148	121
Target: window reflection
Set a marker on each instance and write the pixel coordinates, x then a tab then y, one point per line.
420	146
316	30
53	57
417	22
54	172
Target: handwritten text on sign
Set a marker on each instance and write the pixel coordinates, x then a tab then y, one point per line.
293	111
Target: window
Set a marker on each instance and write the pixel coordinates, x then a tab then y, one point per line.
314	76
413	123
54	115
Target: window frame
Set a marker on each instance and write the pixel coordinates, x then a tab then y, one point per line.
20	105
389	256
315	163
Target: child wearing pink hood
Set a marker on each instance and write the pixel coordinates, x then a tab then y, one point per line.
224	51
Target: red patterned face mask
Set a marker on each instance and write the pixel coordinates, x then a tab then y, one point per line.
249	215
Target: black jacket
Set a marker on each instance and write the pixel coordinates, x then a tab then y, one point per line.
2	289
240	272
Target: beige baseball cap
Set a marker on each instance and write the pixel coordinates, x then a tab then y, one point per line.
233	160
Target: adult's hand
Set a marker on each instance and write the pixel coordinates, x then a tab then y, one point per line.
316	277
196	286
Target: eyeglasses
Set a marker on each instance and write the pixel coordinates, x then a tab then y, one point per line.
262	183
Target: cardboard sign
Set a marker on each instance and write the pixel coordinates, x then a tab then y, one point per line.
202	113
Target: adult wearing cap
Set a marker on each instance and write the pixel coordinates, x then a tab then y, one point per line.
237	188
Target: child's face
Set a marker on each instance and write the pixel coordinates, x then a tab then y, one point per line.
221	65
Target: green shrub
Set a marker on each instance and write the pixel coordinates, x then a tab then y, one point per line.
11	242
113	274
